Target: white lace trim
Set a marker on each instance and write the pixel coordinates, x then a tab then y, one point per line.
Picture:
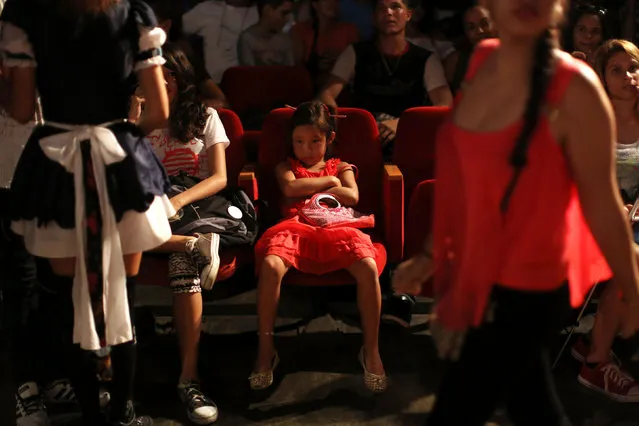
14	41
156	60
151	38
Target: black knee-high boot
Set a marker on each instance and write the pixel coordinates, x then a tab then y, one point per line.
80	365
123	359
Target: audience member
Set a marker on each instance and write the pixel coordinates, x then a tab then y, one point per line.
478	26
586	30
297	243
220	23
318	43
389	74
193	143
617	64
265	43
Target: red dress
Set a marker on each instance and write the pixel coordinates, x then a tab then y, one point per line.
309	248
541	241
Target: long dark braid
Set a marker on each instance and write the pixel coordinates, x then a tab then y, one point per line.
540	79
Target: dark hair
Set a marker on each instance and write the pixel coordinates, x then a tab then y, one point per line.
540	78
261	4
79	7
576	14
188	114
313	113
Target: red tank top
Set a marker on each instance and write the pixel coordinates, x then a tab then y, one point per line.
538	244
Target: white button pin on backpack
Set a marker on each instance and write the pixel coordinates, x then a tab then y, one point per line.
234	212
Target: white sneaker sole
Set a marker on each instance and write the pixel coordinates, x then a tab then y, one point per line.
201	421
618	398
209	273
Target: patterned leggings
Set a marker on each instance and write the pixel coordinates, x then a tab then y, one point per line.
184	276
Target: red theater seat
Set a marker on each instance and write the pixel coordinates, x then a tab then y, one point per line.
154	268
380	186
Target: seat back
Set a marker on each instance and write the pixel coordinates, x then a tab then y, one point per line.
414	151
419	218
266	87
236	152
357	142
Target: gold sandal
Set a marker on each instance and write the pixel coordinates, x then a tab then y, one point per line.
263	380
374	382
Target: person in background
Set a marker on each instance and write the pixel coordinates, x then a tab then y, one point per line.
586	30
265	43
165	11
193	143
318	43
219	23
534	123
617	64
388	74
418	35
89	194
478	26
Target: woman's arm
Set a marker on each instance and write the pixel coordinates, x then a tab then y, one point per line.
292	187
209	186
156	100
348	193
587	122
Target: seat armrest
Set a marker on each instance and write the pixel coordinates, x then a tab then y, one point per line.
393	199
247	181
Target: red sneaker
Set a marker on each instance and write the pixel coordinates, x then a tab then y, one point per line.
609	379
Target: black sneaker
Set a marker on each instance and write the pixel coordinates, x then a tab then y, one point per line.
398	309
133	420
200	409
30	408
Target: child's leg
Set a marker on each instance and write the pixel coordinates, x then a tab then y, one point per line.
369	302
184	279
268	296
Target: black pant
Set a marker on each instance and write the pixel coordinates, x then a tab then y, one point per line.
507	358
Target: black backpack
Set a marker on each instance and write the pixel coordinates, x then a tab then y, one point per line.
229	213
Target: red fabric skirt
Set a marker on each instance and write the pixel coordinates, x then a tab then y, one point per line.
313	249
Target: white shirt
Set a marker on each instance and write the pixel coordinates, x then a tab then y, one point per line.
190	157
220	26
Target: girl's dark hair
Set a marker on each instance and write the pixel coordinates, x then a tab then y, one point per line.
540	78
576	14
188	113
313	113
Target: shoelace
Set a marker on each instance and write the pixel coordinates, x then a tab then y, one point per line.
613	373
30	405
195	397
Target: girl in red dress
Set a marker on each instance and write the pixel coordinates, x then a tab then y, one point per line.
525	180
292	243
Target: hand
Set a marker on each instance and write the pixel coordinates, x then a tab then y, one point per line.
387	131
176	203
580	55
135	110
335	182
409	276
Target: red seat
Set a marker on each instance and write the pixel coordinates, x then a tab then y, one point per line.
263	87
380	186
414	151
154	268
419	218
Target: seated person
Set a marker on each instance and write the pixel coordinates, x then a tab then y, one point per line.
318	43
265	43
193	143
389	74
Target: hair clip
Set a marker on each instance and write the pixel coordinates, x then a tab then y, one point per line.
290	107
